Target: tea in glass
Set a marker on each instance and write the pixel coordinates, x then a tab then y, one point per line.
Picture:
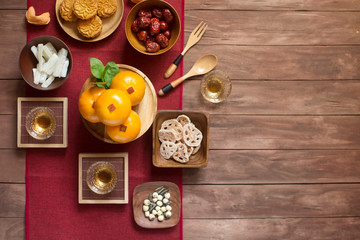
215	86
101	177
40	123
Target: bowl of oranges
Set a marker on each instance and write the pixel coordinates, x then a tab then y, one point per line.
123	110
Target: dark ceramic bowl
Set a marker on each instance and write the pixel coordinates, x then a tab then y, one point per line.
27	61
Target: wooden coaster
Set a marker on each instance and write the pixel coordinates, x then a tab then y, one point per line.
59	106
120	194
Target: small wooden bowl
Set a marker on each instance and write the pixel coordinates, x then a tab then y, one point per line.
198	160
141	193
149	4
146	109
27	62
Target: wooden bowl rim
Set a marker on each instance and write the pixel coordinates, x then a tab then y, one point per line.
153	93
172	221
44	39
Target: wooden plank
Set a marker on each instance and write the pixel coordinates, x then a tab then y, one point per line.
13	4
12	165
13	30
282	62
273	229
271	201
8	131
276	28
12	200
277	5
14	89
12	228
273	167
284	132
280	97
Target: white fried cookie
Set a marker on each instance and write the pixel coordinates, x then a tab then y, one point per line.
167	149
90	28
173	124
66	11
181	154
106	8
195	149
183	119
85	9
167	135
192	136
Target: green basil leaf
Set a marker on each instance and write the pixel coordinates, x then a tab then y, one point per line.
111	69
97	68
101	85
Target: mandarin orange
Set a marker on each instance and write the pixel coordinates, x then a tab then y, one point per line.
126	132
86	103
113	107
131	83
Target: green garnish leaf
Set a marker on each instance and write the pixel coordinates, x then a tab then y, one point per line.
97	68
111	69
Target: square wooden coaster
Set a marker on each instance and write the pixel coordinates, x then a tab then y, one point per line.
120	194
59	106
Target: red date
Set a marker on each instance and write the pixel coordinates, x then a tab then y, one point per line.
134	26
167	34
162	40
157	13
152	47
143	22
144	13
142	35
167	15
154	27
163	26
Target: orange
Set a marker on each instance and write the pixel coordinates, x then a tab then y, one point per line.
131	83
113	107
127	131
86	103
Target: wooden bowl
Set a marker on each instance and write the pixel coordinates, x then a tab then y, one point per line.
109	24
149	4
198	160
141	193
27	61
146	109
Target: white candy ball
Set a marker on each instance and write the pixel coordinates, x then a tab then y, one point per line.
147	214
159	213
151	217
147	202
155	199
159	203
160	197
168	214
161	218
155	195
167	195
145	208
163	209
157	208
165	200
154	212
168	207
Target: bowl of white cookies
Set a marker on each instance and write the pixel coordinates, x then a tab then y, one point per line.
180	139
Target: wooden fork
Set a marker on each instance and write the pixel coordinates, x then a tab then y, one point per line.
194	38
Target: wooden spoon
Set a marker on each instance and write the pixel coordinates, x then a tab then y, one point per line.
203	65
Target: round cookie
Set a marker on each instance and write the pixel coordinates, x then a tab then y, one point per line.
106	8
90	28
66	11
85	9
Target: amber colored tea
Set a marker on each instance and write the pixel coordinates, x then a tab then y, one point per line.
104	176
41	123
101	177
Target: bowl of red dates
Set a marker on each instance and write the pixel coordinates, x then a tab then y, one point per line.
152	27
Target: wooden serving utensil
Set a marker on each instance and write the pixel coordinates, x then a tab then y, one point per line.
194	37
203	65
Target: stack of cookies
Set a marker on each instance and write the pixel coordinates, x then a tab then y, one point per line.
179	139
88	13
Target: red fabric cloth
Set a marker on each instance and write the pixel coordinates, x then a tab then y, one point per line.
52	209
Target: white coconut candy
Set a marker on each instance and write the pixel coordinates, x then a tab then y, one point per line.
60	62
65	68
49	66
48	81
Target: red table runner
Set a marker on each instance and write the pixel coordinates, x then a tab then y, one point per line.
52	209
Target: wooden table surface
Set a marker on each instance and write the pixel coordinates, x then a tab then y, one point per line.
284	148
